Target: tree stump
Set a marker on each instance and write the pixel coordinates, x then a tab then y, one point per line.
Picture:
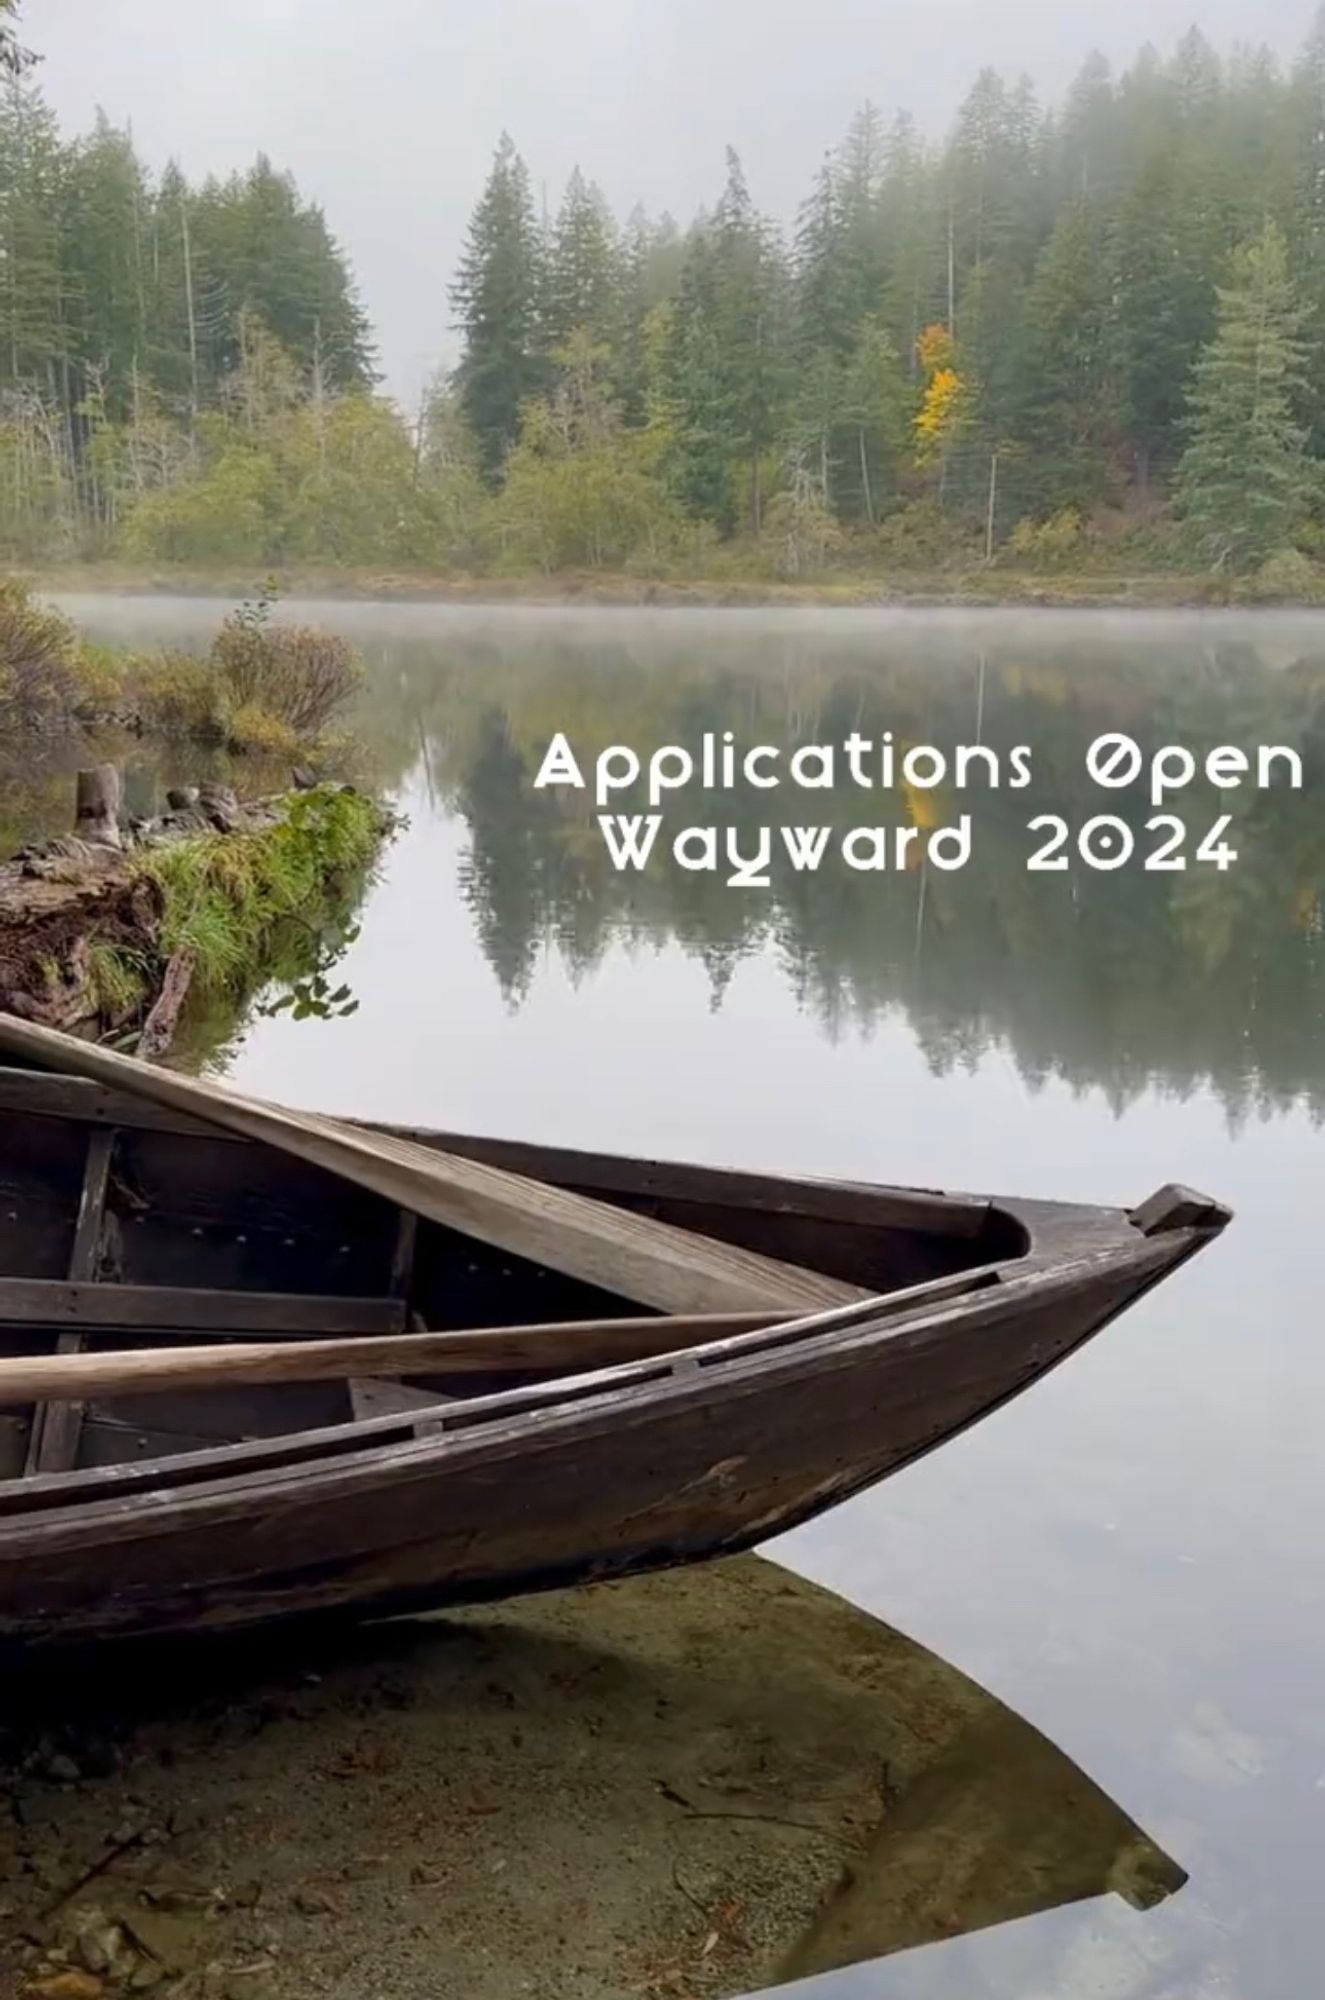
97	806
219	804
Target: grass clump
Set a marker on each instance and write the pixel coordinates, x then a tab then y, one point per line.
226	898
117	983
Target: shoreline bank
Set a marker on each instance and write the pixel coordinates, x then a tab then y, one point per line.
990	590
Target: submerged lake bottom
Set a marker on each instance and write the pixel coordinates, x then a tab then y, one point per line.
1124	1557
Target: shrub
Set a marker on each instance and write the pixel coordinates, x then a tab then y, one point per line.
1288	577
261	689
181	695
1055	540
921	536
254	733
292	674
101	675
38	658
224	516
802	533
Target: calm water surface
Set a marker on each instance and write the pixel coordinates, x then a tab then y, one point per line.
1129	1555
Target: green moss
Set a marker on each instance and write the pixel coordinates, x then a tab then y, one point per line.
226	899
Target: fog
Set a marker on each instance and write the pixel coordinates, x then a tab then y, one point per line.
388	114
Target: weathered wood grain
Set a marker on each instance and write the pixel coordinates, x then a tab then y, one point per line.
923	1210
88	1307
152	1371
297	1447
652	1262
617	1479
53	1444
370	1397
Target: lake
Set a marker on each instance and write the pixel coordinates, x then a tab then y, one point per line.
1128	1555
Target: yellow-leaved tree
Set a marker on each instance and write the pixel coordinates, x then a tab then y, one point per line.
943	402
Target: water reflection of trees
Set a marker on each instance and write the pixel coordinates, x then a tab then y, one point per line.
1127	980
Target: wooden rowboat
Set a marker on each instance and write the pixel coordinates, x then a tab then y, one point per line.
258	1364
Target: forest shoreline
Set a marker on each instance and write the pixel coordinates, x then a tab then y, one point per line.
983	590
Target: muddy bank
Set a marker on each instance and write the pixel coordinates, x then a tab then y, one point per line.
697	1784
975	589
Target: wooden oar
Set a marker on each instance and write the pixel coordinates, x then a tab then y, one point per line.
60	1378
634	1256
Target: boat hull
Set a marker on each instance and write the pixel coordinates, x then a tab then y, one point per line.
645	1468
143	1209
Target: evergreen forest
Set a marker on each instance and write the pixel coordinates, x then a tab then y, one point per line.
1086	337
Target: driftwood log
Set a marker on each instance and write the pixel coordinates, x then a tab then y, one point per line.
163	1015
60	895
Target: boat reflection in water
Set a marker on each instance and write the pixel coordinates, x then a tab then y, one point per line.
999	1825
982	1821
703	1783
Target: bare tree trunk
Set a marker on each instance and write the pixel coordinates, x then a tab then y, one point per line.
319	398
418	435
952	273
756	493
993	502
865	479
193	323
136	432
138	257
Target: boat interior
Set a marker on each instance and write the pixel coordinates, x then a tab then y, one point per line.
125	1226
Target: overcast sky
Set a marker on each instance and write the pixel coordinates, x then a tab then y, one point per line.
387	112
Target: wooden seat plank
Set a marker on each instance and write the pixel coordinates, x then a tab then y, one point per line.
88	1307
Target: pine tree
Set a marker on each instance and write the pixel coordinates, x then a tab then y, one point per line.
33	287
581	280
265	251
1243	482
864	247
824	322
14	58
496	295
1307	235
729	355
912	221
1163	305
103	205
1069	412
1085	147
649	271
